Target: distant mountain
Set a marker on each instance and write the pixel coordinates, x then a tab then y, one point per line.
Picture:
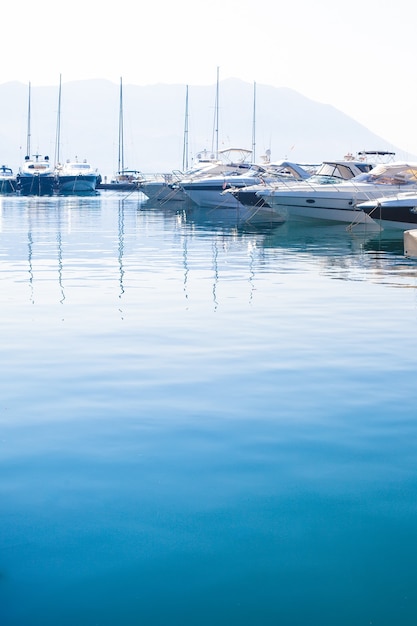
287	123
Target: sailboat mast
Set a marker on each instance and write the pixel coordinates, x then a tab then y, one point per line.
58	127
185	146
215	140
217	115
254	125
121	161
28	128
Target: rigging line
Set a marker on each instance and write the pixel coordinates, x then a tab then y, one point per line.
361	214
129	193
169	197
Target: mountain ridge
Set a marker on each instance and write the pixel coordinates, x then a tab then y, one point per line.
288	124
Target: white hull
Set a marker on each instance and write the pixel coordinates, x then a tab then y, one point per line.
76	177
211	192
167	187
398	212
336	206
346	216
162	192
213	198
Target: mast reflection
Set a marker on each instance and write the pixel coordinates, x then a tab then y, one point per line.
60	262
121	233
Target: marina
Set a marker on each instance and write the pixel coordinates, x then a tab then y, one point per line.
203	420
208	303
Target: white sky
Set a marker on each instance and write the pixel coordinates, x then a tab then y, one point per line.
354	55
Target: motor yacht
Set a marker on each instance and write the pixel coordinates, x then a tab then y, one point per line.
74	177
169	186
329	198
36	176
398	211
222	190
275	173
124	180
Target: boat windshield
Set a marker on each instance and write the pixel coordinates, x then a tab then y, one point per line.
333	172
79	166
286	169
39	166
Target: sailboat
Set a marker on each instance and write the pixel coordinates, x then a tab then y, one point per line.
72	177
169	187
163	187
124	179
36	176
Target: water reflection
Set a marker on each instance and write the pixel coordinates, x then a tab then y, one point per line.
348	255
121	205
84	230
349	250
30	267
60	261
226	417
186	268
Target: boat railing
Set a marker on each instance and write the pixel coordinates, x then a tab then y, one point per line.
158	177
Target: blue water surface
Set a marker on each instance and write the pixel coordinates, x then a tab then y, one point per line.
204	422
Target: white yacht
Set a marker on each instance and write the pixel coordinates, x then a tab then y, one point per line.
76	177
397	211
36	176
168	187
274	173
338	201
220	191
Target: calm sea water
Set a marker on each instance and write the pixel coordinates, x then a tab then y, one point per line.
202	423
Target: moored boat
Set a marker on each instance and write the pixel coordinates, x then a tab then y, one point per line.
170	186
274	173
339	201
222	190
36	177
125	180
76	177
398	211
166	187
8	182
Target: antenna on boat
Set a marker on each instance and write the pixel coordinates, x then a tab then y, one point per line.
121	160
254	124
58	127
28	128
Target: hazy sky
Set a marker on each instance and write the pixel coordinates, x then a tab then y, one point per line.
354	55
